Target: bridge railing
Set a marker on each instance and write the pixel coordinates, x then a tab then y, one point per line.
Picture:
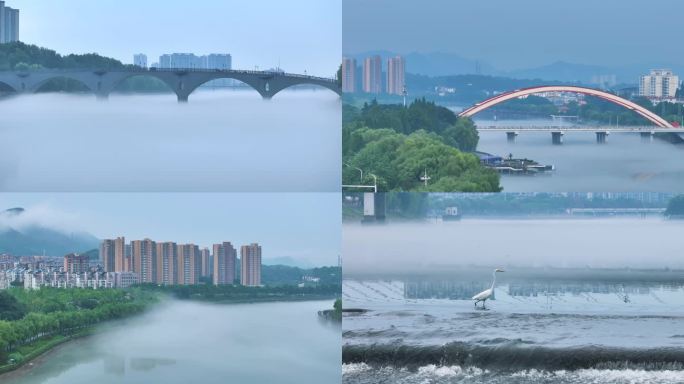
567	128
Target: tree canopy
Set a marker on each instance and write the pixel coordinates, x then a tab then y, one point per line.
399	145
675	206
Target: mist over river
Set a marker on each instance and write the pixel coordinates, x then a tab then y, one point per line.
188	342
221	141
624	164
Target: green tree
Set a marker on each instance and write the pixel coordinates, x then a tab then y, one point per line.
675	207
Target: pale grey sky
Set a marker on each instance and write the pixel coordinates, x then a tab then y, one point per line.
298	34
304	226
522	33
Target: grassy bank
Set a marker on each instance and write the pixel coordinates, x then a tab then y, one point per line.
30	352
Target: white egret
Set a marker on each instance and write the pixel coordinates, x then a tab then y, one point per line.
487	293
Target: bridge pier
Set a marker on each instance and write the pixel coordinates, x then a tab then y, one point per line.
646	137
557	138
102	96
601	137
510	136
182	99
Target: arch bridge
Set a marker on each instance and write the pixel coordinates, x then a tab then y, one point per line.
659	124
181	81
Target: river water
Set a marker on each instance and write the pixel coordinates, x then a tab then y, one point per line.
580	301
575	330
221	141
624	164
189	342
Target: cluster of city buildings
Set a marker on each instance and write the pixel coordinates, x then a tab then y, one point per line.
373	79
71	271
660	84
9	24
213	61
121	265
222	61
169	263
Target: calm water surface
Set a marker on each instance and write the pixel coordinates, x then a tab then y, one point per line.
186	342
623	164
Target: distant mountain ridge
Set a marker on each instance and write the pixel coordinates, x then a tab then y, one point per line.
30	240
437	64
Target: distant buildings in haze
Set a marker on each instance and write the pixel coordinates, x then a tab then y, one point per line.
372	79
372	74
140	60
396	76
250	256
9	24
192	61
169	263
224	264
76	264
217	61
659	84
348	75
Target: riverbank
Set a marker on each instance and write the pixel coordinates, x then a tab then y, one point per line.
39	349
182	338
36	353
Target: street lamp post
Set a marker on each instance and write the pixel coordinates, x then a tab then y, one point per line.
375	183
358	169
425	178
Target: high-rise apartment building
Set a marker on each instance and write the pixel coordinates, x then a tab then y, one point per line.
121	263
659	84
190	60
372	74
396	75
250	265
189	264
107	255
348	75
9	24
205	256
167	263
77	264
140	60
225	259
144	257
219	61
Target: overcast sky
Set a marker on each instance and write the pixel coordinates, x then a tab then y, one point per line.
304	226
300	34
521	33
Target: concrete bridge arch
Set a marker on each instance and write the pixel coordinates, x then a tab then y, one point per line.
181	81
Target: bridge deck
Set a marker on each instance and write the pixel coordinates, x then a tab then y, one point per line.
598	128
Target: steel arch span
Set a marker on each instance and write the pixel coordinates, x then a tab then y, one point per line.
648	115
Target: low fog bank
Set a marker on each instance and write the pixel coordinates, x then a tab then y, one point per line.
220	141
421	248
212	343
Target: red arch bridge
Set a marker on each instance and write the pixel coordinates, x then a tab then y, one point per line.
557	132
